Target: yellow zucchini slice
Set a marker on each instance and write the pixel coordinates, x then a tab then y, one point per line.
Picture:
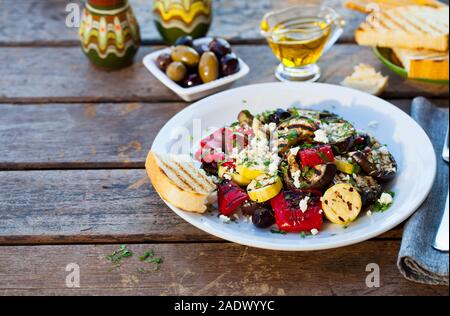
264	188
344	166
341	204
236	177
249	172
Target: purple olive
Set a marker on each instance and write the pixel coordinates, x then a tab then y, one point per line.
185	41
163	61
191	81
229	64
220	47
263	218
201	49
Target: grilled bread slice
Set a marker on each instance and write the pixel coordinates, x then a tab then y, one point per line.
424	64
179	181
415	27
365	78
369	6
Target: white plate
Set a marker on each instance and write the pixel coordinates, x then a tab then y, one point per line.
198	92
405	138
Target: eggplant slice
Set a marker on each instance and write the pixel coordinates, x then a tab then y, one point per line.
317	178
377	162
322	176
294	131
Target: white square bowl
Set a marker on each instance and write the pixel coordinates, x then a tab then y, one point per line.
197	92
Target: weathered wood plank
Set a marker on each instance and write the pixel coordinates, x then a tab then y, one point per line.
90	206
80	135
86	136
44	22
206	269
42	75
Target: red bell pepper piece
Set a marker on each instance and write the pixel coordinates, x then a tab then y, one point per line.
289	216
312	157
219	144
230	197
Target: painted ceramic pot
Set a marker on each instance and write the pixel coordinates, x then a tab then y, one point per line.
109	33
176	18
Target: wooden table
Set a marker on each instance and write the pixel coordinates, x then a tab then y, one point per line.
73	140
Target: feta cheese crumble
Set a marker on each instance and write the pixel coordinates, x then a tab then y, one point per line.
321	136
369	213
304	204
224	219
294	151
385	199
314	231
296	177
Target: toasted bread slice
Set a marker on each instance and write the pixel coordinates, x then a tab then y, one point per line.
424	64
365	78
416	27
179	181
369	6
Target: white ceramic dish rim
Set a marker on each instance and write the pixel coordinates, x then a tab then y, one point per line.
350	238
150	63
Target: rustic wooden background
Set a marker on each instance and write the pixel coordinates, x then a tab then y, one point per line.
73	141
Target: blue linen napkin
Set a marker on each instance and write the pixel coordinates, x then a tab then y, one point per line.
418	261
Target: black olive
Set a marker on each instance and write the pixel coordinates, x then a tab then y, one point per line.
362	141
249	208
283	115
210	168
220	47
201	49
263	218
191	81
185	41
163	61
278	116
229	64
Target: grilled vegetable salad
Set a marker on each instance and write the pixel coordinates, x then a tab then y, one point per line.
295	168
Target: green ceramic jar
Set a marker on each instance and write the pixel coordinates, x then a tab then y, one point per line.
109	33
176	18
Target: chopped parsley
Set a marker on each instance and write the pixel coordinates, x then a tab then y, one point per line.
292	135
149	257
323	156
117	256
276	231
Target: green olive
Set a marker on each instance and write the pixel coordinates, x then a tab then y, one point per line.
186	55
208	67
176	71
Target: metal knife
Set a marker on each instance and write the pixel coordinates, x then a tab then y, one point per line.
441	242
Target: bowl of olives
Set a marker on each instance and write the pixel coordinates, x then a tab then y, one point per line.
194	69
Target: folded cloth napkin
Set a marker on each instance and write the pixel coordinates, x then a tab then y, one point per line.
418	261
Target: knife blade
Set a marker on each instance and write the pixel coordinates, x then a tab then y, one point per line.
441	242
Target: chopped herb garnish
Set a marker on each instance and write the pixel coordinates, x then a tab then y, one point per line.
258	185
323	156
267	163
276	231
292	135
149	257
303	235
356	169
117	256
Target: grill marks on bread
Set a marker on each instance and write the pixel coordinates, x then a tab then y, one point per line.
185	175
